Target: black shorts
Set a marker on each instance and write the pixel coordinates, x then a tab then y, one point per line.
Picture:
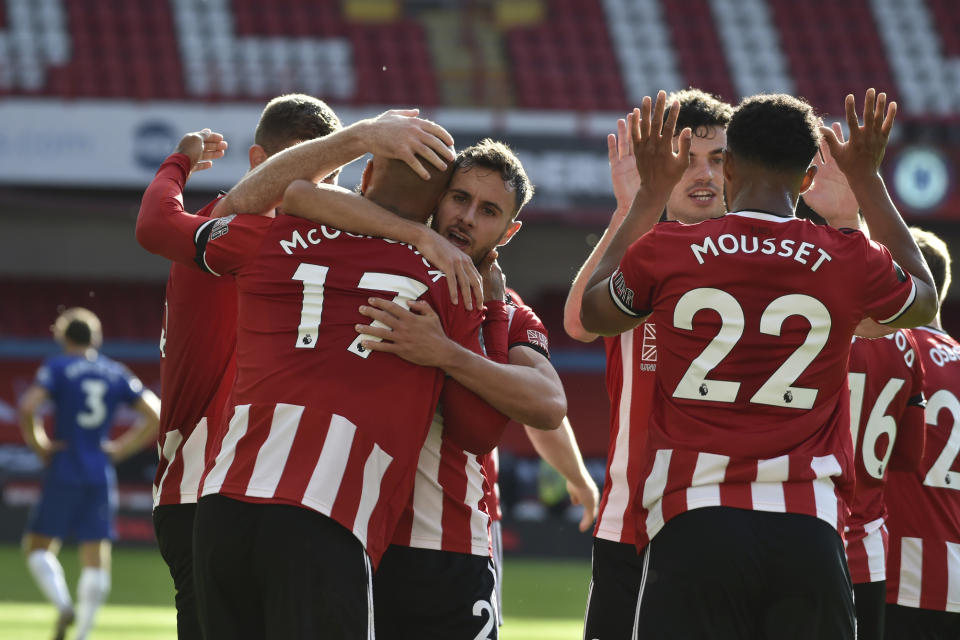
870	599
422	594
173	524
614	586
720	572
274	571
911	623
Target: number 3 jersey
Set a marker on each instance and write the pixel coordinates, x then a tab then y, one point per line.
923	563
318	420
85	393
886	420
754	316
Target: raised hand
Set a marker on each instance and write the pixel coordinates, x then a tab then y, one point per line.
861	154
660	169
623	166
830	195
401	135
202	147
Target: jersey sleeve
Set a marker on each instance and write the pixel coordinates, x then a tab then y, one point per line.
130	388
631	285
495	324
223	245
163	226
526	330
468	420
45	377
889	290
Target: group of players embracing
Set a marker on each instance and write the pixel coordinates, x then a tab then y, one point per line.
339	366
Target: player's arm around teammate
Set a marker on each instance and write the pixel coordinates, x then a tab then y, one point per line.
526	387
165	228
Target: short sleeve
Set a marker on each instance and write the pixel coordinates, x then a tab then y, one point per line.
526	330
44	377
889	290
632	284
225	244
131	388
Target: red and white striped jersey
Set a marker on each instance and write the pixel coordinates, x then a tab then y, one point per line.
318	420
631	371
754	317
923	564
491	461
886	419
450	506
197	345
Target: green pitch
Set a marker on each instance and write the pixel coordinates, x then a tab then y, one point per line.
543	599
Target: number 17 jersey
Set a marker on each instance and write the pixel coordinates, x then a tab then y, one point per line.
317	420
754	316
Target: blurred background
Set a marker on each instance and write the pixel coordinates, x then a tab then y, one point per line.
95	93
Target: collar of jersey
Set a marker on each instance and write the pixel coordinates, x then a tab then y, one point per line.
757	215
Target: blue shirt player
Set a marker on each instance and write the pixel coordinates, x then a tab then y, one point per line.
79	487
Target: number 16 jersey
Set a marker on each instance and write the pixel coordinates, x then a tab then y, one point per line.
754	315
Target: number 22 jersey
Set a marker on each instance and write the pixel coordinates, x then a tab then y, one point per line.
754	315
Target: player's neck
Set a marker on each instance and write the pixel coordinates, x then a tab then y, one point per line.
78	350
759	196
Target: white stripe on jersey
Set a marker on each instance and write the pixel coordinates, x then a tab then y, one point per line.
953	576
876	553
618	500
824	491
708	473
911	563
171	441
193	454
273	453
328	473
479	521
373	471
426	532
767	492
228	449
653	490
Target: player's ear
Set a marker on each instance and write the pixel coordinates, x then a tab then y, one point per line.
257	154
728	165
510	232
366	177
808	178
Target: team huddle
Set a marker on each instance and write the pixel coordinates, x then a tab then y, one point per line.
339	368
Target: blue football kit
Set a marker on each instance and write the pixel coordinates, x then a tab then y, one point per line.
79	487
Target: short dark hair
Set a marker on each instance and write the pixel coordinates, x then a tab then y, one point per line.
774	130
700	111
79	326
497	156
291	118
937	256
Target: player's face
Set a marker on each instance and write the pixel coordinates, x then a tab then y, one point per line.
475	212
699	194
